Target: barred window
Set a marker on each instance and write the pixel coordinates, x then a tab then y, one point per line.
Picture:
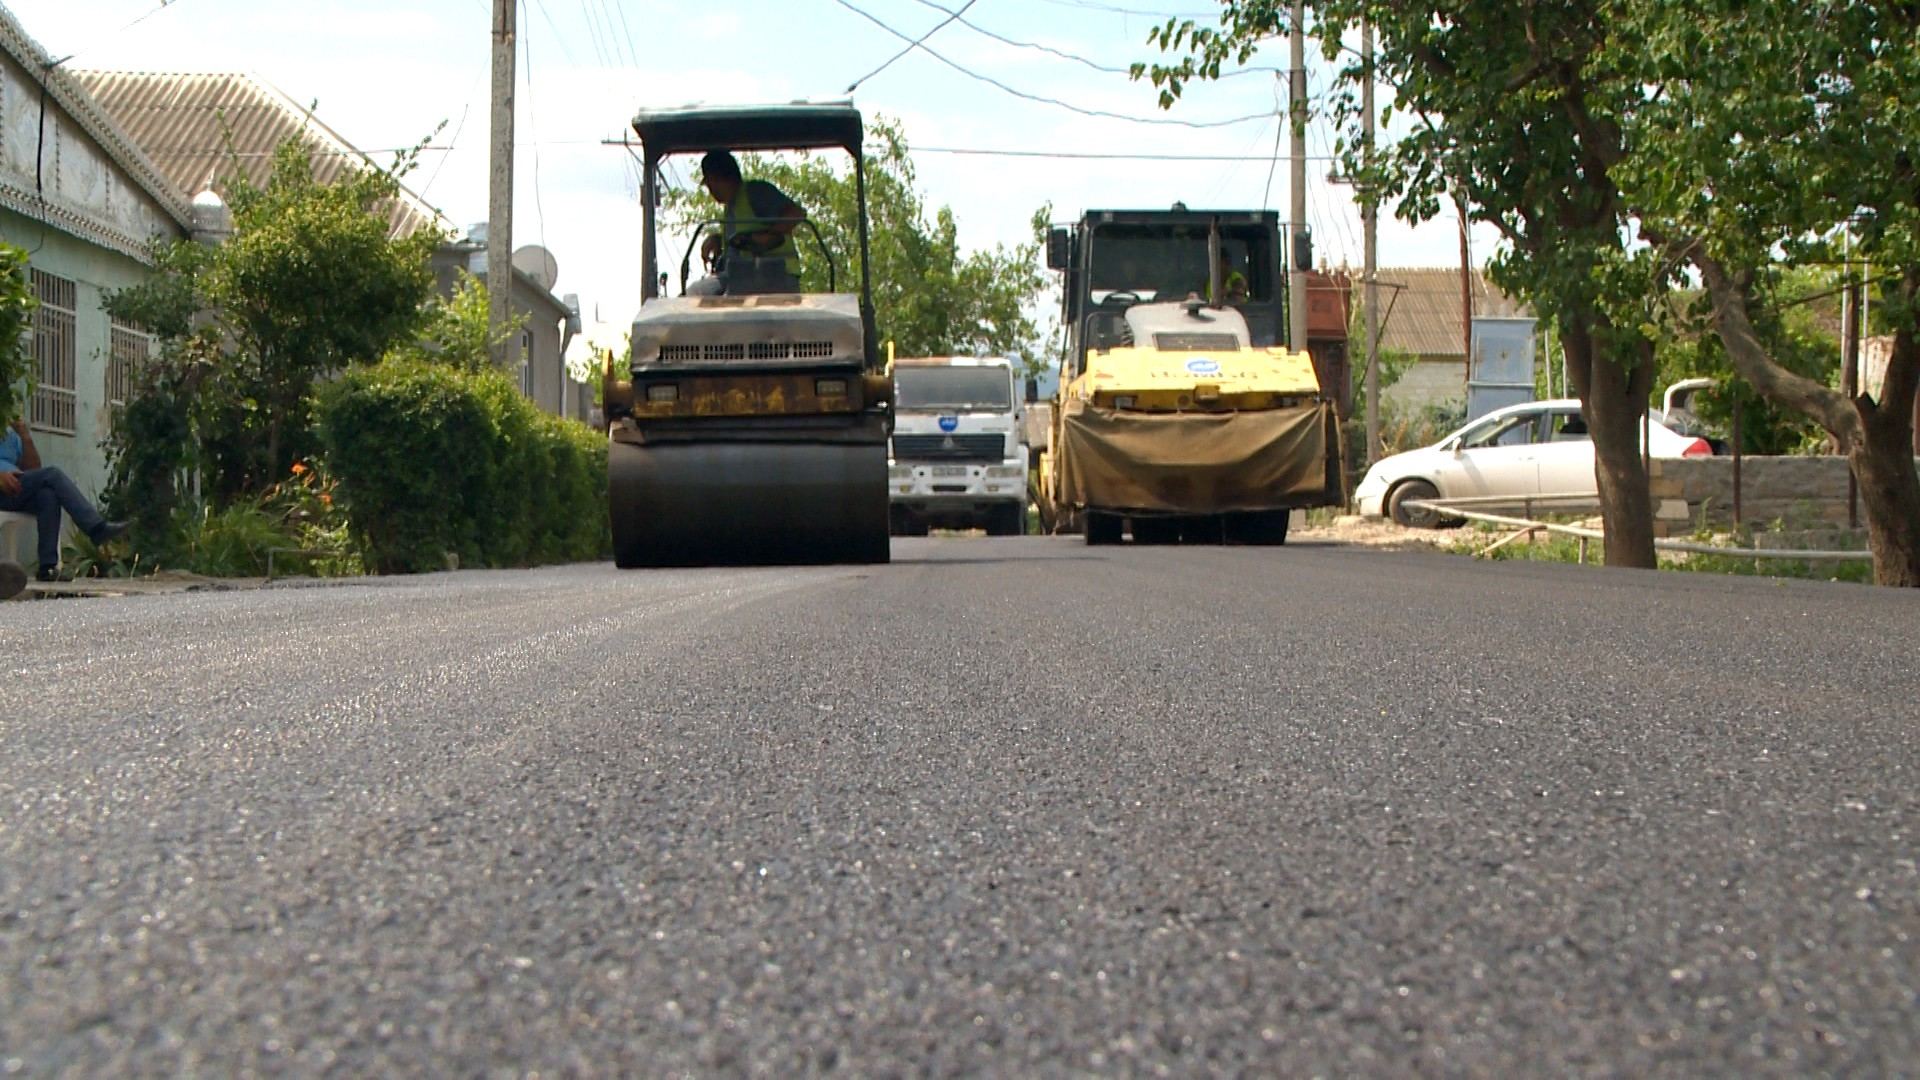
55	400
131	350
526	363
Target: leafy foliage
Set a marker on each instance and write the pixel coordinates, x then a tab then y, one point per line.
1518	115
442	467
309	282
453	329
929	299
17	304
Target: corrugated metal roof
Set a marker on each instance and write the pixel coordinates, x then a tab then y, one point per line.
199	128
1420	309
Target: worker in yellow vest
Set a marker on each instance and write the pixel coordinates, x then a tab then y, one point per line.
757	218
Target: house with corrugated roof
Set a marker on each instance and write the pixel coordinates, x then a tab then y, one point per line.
1423	316
81	198
200	129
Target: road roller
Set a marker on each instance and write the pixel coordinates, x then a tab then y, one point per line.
750	423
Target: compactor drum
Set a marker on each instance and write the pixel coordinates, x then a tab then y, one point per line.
751	426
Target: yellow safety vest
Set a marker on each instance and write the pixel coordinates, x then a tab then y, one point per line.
740	218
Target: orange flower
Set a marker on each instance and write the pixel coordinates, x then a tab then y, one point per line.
326	500
298	468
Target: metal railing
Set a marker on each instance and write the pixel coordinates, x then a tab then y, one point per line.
1527	526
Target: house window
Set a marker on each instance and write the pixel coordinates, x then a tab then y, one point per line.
526	363
55	401
131	350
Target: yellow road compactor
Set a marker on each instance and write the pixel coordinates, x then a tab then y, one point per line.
1181	416
751	425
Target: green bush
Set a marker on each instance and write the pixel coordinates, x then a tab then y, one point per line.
437	466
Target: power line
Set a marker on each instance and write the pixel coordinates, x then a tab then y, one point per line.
539	210
1157	120
1068	155
916	43
1064	55
1087	5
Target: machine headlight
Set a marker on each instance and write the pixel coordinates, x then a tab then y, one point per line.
663	392
1123	401
830	387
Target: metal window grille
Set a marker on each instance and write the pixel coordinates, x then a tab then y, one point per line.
526	364
131	349
55	400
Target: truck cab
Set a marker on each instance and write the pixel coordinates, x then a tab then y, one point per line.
958	455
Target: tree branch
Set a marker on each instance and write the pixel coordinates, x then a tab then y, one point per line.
1751	359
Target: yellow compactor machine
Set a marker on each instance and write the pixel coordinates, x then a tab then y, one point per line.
750	425
1182	417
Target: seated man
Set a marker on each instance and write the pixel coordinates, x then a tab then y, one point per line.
757	219
28	488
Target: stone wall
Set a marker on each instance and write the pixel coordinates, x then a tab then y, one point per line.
1804	492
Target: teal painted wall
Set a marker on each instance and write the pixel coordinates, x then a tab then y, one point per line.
95	272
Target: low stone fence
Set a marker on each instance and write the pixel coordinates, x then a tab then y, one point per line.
1804	492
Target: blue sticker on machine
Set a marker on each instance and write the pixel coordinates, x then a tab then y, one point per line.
1203	366
949	423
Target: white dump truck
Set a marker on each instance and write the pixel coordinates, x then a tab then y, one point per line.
958	456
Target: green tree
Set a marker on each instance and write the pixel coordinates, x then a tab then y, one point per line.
929	299
309	282
1777	136
17	304
1519	115
453	329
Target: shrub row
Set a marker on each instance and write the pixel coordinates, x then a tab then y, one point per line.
436	464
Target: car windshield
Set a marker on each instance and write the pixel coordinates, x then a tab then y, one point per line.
1511	430
952	388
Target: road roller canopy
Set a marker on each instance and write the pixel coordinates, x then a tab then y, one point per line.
798	126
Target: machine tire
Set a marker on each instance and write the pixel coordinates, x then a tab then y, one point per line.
1260	528
1402	514
1101	528
1006	521
1156	530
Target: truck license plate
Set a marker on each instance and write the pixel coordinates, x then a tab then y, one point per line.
949	470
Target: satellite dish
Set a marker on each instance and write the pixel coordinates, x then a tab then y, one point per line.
539	264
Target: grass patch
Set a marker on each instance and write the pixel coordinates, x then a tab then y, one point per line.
1559	548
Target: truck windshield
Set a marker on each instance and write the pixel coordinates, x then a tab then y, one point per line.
952	388
1160	262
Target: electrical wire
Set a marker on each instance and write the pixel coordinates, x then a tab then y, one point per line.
1156	120
1086	5
916	43
1064	55
539	209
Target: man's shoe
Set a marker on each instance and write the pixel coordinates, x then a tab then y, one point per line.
52	573
13	578
110	530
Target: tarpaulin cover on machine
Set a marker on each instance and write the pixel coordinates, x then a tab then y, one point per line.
1195	462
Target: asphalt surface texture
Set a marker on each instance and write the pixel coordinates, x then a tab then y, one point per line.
1004	807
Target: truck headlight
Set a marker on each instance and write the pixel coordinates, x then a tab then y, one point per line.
1003	470
899	472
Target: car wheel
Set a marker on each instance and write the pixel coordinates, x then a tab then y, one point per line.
1409	516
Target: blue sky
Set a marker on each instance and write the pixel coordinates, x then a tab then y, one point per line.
386	73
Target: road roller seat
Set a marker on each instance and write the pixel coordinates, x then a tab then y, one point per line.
747	276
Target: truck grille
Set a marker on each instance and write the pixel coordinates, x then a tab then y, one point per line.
988	447
755	350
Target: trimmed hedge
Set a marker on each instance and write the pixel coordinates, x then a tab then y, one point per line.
436	464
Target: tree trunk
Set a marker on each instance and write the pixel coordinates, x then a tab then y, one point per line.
1613	395
1876	437
1883	462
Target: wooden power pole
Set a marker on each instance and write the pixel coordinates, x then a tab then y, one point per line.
1369	237
500	189
1297	227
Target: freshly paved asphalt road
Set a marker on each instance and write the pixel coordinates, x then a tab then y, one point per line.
1005	806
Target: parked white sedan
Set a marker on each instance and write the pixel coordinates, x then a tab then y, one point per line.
1539	448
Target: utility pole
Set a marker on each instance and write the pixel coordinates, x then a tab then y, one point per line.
1297	227
500	189
1466	295
1369	233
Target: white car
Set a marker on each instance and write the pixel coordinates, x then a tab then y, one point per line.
1539	448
